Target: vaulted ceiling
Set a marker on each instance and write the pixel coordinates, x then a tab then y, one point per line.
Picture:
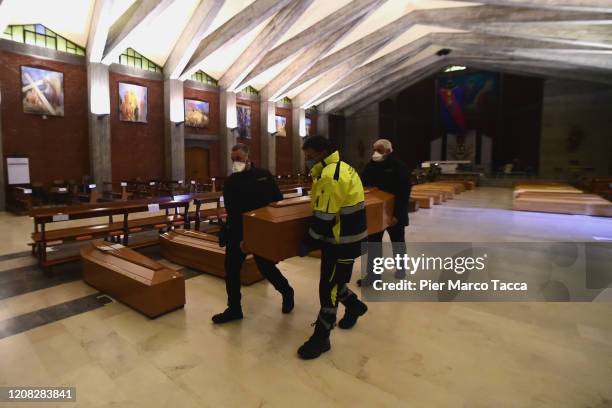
337	54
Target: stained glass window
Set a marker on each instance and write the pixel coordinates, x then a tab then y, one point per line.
41	36
133	59
203	77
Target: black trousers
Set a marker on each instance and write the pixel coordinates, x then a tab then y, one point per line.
335	274
234	258
398	242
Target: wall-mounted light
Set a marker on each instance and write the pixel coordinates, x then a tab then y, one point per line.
302	122
231	113
271	108
99	96
177	104
453	68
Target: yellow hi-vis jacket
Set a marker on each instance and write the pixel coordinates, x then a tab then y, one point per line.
337	201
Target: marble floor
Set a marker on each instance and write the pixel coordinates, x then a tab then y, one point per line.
399	354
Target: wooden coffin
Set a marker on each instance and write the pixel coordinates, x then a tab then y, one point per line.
275	232
201	251
413	205
564	205
132	278
424	200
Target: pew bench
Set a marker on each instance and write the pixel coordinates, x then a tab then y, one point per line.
112	230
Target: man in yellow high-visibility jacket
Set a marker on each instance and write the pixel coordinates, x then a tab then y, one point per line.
338	226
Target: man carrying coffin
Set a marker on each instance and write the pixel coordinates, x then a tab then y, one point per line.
338	226
247	189
389	174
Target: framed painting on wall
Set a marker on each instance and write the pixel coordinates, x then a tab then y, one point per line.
244	121
42	91
308	122
196	113
281	126
132	103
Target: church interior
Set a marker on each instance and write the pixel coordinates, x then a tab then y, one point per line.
133	131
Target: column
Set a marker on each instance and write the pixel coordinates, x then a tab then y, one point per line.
299	131
2	187
268	142
98	93
227	122
174	134
323	124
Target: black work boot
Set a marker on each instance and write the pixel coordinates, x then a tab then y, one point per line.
367	281
354	308
317	344
228	315
288	302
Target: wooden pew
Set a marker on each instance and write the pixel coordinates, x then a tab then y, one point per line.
140	282
284	224
19	199
42	238
201	251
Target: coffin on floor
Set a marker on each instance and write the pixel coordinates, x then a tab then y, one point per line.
132	278
201	251
275	232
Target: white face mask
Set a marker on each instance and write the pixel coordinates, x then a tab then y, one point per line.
377	157
237	166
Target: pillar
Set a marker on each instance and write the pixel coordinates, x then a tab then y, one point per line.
299	131
268	142
174	132
2	186
98	94
323	124
228	121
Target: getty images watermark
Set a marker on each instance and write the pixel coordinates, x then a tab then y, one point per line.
458	271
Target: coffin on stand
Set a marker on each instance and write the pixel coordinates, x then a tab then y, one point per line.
275	232
201	251
132	278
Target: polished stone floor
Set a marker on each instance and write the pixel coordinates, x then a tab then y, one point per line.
399	354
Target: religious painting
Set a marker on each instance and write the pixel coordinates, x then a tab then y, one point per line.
132	103
465	98
42	91
281	126
308	123
243	113
196	113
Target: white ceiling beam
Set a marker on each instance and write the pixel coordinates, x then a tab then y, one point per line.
590	35
328	25
598	6
5	14
191	36
325	81
232	30
264	41
529	67
394	88
139	14
378	83
99	29
388	62
277	87
381	36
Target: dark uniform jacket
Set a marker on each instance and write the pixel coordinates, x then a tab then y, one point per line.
393	176
246	191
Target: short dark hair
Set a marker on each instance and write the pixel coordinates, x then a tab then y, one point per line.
242	147
318	144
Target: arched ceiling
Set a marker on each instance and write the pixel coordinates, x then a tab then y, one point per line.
335	54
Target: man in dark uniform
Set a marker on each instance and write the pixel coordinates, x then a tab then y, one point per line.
389	174
246	189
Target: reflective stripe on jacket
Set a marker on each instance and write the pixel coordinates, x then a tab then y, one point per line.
337	200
